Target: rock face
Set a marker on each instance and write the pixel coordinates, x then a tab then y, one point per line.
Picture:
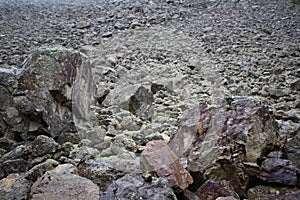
54	83
63	183
157	158
134	187
226	142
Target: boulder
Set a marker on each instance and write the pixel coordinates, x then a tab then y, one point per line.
269	192
226	141
276	170
64	183
134	187
54	90
211	190
158	159
38	170
292	149
44	145
14	186
134	98
104	172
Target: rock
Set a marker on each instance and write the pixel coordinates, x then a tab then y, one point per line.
134	187
295	85
133	98
158	159
211	190
225	142
55	87
292	149
104	172
49	186
13	166
84	152
226	198
269	192
44	145
38	170
14	186
276	170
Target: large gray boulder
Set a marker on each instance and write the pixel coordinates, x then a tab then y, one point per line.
64	183
227	141
54	90
134	187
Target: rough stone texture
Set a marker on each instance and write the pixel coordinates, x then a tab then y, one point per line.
54	83
269	192
226	141
44	145
38	170
158	159
13	166
276	170
134	98
104	172
14	186
134	187
211	190
63	183
292	148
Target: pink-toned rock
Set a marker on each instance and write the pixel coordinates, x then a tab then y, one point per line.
158	159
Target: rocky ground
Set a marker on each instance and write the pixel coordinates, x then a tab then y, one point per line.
143	68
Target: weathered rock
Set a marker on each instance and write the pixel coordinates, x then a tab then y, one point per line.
14	186
276	170
104	172
55	87
158	159
134	187
38	170
49	186
211	190
13	166
269	192
134	98
292	148
226	142
44	145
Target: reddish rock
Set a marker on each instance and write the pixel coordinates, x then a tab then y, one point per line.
211	190
157	158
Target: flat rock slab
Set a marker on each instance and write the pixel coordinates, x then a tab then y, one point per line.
157	158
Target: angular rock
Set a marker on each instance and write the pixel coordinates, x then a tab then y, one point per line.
13	166
269	192
134	187
211	190
44	145
292	149
104	172
14	186
55	87
134	98
38	170
276	170
225	142
63	183
157	158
